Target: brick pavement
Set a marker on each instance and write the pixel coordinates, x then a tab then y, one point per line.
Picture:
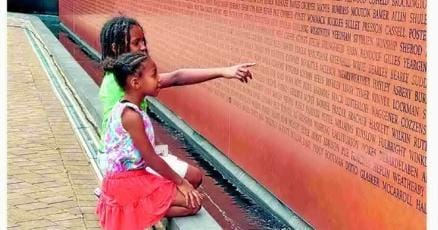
50	179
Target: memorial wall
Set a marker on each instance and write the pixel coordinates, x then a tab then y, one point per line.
334	121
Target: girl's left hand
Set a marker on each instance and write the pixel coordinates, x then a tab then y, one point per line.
192	196
240	72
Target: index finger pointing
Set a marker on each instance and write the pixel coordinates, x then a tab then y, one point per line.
249	64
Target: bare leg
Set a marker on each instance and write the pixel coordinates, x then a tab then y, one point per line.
179	211
194	176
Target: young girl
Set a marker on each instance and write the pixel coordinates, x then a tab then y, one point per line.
133	198
120	35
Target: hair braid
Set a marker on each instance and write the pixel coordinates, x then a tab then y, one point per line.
126	65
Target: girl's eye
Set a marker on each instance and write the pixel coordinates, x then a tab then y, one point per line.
136	43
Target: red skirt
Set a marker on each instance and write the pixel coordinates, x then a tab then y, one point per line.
134	200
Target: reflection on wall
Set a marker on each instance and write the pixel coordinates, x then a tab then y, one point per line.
334	122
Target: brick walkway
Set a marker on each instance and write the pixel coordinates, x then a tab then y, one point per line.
50	180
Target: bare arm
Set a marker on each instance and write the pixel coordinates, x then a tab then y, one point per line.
194	76
133	123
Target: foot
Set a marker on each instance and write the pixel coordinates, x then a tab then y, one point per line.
97	192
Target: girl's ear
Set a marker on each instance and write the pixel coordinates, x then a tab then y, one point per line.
135	83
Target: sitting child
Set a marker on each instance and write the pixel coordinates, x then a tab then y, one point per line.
132	197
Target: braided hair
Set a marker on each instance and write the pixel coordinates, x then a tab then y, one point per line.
115	31
128	64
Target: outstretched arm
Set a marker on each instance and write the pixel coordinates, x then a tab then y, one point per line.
194	76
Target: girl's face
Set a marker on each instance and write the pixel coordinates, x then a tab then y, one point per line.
148	80
137	41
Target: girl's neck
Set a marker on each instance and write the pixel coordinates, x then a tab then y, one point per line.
135	99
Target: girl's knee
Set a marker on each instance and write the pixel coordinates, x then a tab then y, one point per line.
198	178
195	210
194	176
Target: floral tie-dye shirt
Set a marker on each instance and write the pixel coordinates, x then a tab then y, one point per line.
118	145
